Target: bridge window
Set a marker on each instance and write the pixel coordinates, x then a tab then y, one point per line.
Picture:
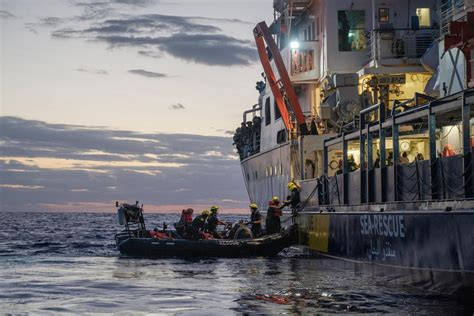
277	111
351	27
384	15
268	118
281	136
424	17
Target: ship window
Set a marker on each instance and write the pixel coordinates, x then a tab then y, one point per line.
256	175
277	111
248	177
281	169
270	171
319	26
424	17
313	31
276	170
384	15
351	28
268	118
281	136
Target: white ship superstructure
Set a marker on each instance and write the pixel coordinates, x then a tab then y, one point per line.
368	105
342	57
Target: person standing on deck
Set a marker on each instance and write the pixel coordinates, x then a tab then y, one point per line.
294	198
255	220
273	222
404	158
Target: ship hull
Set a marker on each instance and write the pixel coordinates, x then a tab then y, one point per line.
428	244
429	249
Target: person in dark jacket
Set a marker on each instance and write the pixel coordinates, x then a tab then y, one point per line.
273	222
294	198
213	222
198	225
255	220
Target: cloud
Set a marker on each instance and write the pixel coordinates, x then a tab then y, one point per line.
139	3
177	106
44	166
209	49
4	14
182	37
21	187
93	71
152	54
51	21
31	28
146	73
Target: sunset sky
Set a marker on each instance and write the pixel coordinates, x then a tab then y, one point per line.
124	100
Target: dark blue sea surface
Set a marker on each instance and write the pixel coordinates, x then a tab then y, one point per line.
67	263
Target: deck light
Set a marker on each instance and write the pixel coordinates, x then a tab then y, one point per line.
294	45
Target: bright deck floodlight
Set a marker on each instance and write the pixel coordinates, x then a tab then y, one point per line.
294	44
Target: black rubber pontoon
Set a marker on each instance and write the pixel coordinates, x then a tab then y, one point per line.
269	245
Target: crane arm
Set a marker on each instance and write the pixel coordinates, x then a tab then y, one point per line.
262	35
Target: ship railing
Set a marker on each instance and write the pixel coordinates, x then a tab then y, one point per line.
449	11
418	100
389	43
436	178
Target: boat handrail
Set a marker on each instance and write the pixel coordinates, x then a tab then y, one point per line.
255	108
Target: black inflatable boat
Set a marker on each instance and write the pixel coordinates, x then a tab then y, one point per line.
138	242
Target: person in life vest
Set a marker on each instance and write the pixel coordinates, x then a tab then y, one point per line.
213	222
184	224
198	225
255	220
294	198
274	211
448	151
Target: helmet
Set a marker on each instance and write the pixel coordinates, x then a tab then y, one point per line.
206	213
292	185
275	199
253	206
189	211
214	209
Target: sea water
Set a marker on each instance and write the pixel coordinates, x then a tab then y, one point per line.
64	263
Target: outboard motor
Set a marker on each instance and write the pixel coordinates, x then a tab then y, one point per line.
131	214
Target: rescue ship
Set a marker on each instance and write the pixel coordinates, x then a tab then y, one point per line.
368	105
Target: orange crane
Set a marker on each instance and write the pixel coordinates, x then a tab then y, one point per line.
281	88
